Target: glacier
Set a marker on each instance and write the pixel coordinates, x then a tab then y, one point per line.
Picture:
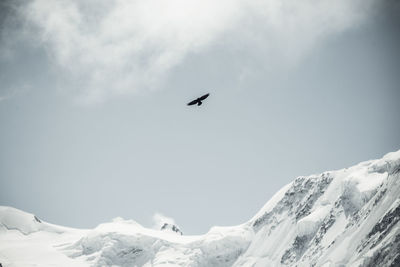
347	217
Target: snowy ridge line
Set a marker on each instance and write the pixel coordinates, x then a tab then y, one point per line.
347	217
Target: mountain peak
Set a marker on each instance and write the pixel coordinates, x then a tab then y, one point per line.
171	228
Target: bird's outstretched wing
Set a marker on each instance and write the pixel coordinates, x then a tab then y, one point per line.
194	102
204	96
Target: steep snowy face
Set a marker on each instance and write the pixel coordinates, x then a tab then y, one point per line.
348	217
345	217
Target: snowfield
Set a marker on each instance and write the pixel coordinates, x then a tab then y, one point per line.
348	217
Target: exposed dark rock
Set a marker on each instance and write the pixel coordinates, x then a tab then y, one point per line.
388	255
297	250
298	199
172	227
384	226
36	219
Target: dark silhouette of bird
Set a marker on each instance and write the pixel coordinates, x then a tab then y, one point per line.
198	101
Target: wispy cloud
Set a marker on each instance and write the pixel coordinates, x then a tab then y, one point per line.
118	47
12	92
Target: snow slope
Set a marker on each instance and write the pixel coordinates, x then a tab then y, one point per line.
348	217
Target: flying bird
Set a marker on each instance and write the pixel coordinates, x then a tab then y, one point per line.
198	101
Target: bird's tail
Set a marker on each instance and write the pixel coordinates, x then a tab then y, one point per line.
199	103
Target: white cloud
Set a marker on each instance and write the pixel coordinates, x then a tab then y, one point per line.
118	47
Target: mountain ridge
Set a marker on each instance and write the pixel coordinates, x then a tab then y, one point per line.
343	217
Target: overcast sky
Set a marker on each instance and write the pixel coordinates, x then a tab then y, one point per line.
93	115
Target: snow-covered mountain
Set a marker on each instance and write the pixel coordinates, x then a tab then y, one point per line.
348	217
